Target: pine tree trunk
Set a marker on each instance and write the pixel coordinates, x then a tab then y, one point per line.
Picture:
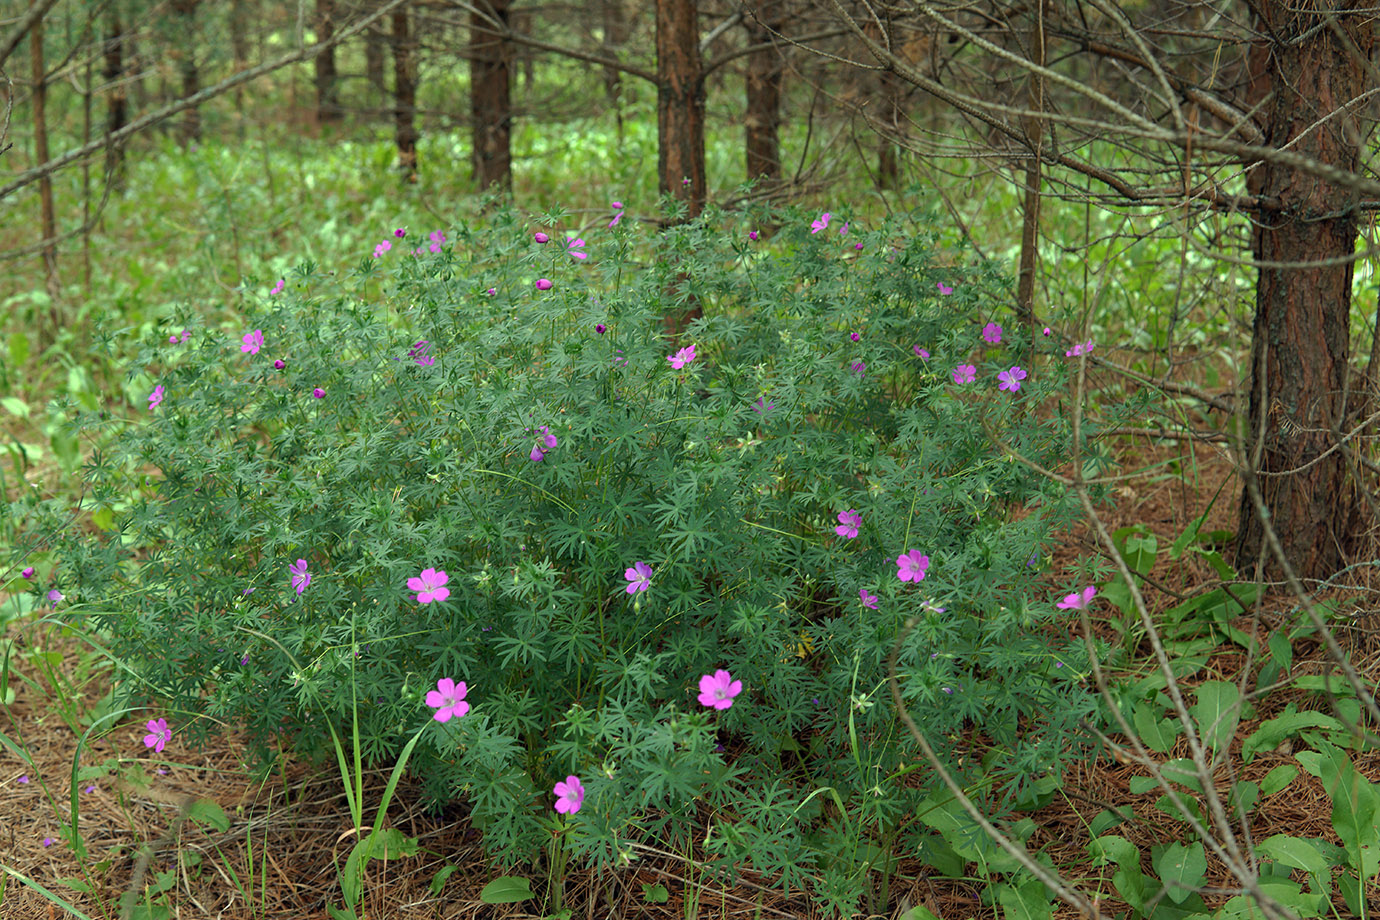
187	67
616	31
48	221
117	102
1300	351
404	96
680	104
763	87
490	106
327	84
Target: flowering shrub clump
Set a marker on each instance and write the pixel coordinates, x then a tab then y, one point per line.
691	600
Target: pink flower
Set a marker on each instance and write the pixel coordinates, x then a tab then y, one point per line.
868	600
28	572
448	699
762	406
912	566
540	237
172	340
437	238
253	341
843	231
991	333
22	780
47	841
682	357
576	248
1011	379
600	328
277	288
924	354
964	373
820	223
639	577
1078	600
753	235
1046	330
156	397
617	214
858	246
570	795
848	524
159	734
318	393
944	288
717	690
400	233
491	291
300	576
855	336
430	585
543	284
1084	349
859	368
55	596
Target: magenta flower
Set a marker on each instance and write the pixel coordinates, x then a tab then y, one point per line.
821	223
300	576
848	524
570	795
855	336
1011	379
576	248
543	284
843	231
1046	330
1083	349
172	340
279	364
277	288
318	393
545	442
430	585
762	407
682	357
437	238
859	368
991	333
448	699
381	248
540	237
618	205
400	232
1078	600
159	734
186	334
617	214
23	780
923	353
156	397
753	235
912	566
717	690
55	596
868	600
639	577
600	328
964	373
858	246
28	572
253	341
491	291
618	359
945	289
47	841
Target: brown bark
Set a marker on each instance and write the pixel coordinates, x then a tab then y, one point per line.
680	104
185	10
239	48
374	62
1300	350
48	222
404	96
1030	217
117	102
490	107
763	87
327	80
616	31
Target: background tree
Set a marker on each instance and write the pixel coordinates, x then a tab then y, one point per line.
490	101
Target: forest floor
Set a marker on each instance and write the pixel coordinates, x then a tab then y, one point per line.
287	835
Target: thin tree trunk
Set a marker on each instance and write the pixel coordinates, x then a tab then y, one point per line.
239	51
187	67
1300	350
490	107
374	62
680	104
404	96
327	85
117	102
763	88
48	222
1030	222
616	32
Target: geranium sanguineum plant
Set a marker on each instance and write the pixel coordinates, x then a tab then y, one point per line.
1079	600
570	795
448	699
912	566
639	577
158	734
430	585
717	690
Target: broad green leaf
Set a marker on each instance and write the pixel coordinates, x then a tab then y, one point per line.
655	894
15	406
1157	734
1297	853
506	889
1217	712
1114	849
919	912
1278	779
1028	902
1273	731
438	881
1243	795
19	348
1354	803
205	811
1182	869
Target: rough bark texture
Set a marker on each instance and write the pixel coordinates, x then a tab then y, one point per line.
1300	349
185	11
327	80
763	86
680	103
404	96
117	103
490	106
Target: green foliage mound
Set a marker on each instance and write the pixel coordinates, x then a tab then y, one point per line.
540	445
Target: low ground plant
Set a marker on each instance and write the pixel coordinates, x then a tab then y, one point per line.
471	505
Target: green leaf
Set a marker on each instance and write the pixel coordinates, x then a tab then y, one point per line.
19	348
438	881
1278	779
1182	869
205	811
506	889
15	406
1217	712
1028	902
1273	731
1157	734
919	912
1354	804
655	894
1298	854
